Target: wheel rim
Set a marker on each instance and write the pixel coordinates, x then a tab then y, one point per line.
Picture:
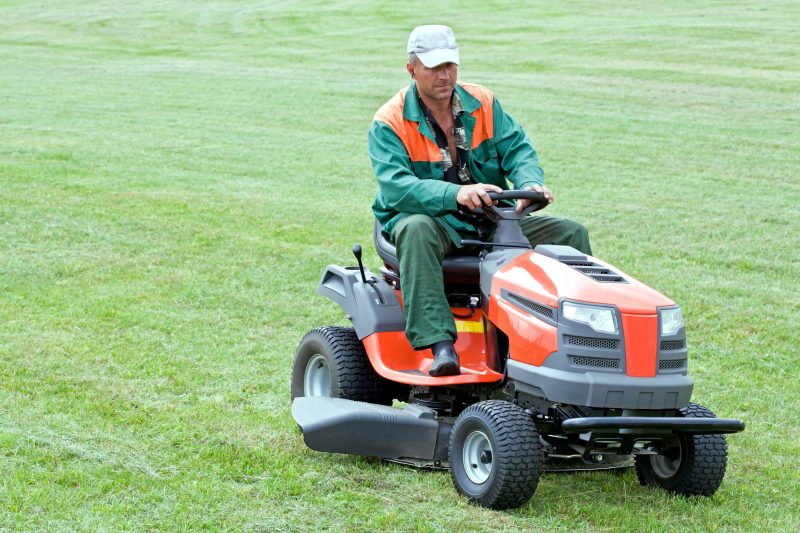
478	457
666	466
317	378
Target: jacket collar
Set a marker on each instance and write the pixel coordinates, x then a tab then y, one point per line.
413	111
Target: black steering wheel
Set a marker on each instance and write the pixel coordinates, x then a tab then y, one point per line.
538	202
508	233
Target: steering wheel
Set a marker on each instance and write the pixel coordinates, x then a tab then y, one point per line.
538	202
508	233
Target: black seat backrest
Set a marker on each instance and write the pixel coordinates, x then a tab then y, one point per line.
456	268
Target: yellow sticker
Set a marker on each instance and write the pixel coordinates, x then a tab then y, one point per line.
464	326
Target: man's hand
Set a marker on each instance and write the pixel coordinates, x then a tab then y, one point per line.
477	195
522	204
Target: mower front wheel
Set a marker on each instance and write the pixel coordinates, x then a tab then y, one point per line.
691	465
495	454
331	361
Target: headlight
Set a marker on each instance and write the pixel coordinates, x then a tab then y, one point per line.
671	321
600	319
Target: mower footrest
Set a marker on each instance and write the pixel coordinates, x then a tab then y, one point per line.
704	426
358	428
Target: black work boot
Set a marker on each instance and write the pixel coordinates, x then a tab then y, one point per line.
445	359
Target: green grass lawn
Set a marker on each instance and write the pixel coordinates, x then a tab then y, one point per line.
174	177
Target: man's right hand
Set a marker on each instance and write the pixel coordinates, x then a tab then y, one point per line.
477	195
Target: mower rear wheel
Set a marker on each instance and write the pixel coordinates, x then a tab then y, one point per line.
331	361
692	465
495	454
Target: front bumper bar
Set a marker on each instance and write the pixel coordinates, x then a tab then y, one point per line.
651	424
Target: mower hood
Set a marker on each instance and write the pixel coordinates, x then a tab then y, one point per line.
550	277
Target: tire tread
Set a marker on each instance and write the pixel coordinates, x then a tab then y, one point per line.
519	454
353	377
706	462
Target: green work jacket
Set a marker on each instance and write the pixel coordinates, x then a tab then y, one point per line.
408	163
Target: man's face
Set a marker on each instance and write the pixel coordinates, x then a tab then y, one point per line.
435	83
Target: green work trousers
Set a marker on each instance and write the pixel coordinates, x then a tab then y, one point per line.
422	243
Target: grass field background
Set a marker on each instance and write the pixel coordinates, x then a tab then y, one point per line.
174	177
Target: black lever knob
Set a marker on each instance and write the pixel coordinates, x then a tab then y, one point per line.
357	253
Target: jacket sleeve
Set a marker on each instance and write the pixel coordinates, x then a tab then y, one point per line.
518	158
401	190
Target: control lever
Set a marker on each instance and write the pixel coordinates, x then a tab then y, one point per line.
371	283
357	253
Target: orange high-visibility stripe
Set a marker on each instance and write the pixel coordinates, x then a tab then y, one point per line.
419	147
484	115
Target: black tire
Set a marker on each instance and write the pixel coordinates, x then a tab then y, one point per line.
514	464
694	465
349	372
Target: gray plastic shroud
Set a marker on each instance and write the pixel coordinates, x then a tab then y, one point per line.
357	428
601	389
372	307
563	358
680	354
560	253
493	262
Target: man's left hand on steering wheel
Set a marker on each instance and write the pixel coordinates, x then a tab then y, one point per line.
522	204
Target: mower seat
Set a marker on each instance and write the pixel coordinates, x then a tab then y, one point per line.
461	269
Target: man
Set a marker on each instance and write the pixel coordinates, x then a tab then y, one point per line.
438	148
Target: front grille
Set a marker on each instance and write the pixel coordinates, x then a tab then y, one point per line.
672	364
532	306
591	342
595	362
672	345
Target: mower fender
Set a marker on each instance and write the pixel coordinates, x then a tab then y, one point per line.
373	306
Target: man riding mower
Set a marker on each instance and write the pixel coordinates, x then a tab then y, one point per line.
562	357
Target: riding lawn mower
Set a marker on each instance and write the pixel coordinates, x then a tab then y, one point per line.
567	363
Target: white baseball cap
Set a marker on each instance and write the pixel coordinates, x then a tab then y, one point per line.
433	44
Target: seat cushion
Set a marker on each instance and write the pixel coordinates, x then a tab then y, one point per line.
456	268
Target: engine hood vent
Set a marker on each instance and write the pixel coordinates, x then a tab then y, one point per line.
596	272
580	262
